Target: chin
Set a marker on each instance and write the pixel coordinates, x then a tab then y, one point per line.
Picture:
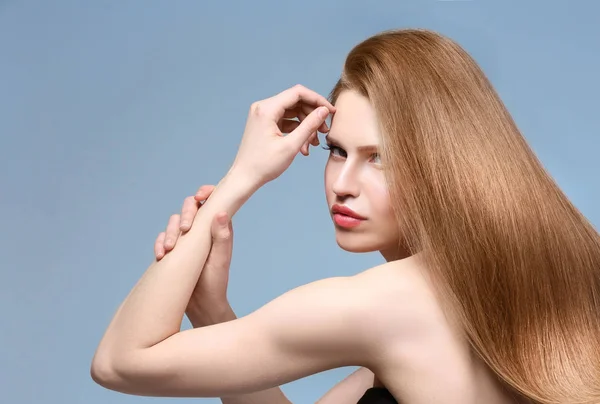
356	243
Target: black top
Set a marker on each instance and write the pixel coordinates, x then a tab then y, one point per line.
377	395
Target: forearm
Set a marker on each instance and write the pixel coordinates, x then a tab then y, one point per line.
154	309
349	390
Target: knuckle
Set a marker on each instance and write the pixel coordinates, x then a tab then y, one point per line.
174	217
189	201
209	189
298	87
256	108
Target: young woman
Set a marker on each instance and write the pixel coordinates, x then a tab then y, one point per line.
491	291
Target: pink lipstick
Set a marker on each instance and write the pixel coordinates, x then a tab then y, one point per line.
345	217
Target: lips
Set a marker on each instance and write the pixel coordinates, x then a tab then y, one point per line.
346	218
346	211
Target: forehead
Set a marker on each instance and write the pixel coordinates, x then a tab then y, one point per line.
354	122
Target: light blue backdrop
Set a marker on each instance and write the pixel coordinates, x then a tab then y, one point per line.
112	112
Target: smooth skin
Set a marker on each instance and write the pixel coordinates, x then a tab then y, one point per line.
385	319
209	304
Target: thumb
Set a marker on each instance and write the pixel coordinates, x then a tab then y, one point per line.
220	229
307	127
222	241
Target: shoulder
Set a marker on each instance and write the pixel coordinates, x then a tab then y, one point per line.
364	314
404	289
401	302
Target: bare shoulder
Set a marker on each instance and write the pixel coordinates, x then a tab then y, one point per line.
367	314
403	305
405	299
423	354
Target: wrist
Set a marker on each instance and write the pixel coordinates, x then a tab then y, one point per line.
242	175
230	193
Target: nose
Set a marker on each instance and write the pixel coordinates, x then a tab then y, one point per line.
346	184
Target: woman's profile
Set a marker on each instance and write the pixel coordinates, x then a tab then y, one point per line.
491	289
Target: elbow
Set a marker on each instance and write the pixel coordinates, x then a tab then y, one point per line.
122	373
114	371
104	373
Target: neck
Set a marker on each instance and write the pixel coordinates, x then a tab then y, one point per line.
395	254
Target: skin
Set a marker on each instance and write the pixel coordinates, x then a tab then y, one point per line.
393	326
354	178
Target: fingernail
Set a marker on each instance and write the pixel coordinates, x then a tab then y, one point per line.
184	225
323	112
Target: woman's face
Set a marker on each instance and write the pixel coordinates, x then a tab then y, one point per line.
354	180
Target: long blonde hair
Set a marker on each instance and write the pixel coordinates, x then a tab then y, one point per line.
519	264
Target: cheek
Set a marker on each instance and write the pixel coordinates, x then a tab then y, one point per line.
380	197
329	179
388	231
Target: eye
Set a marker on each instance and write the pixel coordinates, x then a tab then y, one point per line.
335	151
376	158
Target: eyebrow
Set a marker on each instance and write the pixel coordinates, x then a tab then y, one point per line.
365	148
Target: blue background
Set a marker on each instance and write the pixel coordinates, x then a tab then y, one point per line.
112	112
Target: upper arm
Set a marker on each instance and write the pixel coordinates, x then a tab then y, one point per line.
324	325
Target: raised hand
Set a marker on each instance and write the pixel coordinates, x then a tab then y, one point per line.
264	152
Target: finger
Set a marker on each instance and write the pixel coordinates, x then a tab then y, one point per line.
172	232
308	126
288	126
292	112
312	140
204	192
159	250
307	109
302	116
301	111
220	229
188	212
315	140
304	149
324	128
289	98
